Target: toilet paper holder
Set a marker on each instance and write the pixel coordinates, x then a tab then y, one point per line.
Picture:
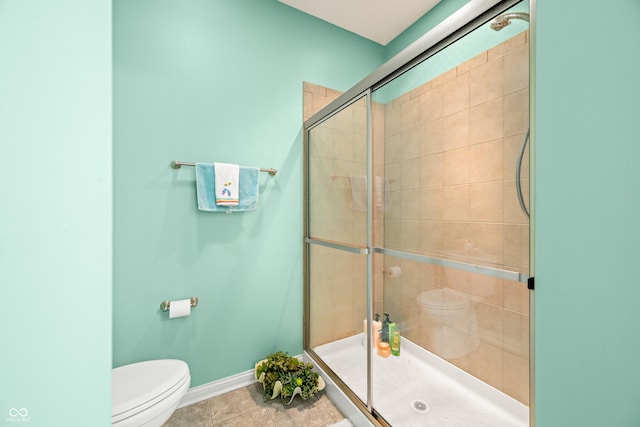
165	305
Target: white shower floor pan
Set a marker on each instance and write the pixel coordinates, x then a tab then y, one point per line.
452	397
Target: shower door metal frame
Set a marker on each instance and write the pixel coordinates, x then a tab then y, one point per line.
532	206
462	22
366	407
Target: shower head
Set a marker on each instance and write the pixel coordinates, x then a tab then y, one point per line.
502	21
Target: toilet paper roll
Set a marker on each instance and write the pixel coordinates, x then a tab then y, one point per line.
179	308
392	272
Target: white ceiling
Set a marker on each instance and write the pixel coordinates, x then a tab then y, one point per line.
377	20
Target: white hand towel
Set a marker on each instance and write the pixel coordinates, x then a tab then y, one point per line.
226	178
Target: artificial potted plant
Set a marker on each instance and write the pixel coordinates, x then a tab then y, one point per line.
287	376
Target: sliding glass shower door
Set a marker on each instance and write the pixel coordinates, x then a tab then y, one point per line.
415	215
338	230
454	232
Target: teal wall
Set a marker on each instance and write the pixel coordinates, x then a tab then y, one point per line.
587	212
214	81
55	221
242	101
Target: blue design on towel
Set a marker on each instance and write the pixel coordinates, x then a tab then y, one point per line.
247	186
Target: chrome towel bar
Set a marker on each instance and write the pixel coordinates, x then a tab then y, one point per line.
177	164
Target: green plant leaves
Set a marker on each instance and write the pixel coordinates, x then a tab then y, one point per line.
289	373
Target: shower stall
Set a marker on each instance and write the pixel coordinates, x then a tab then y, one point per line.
416	209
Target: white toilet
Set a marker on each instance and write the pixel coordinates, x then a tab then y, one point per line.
449	322
147	393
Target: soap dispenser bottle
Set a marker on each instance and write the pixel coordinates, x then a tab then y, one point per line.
384	334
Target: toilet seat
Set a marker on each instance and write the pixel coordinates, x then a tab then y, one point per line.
442	299
139	386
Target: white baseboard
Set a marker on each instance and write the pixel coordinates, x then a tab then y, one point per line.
218	387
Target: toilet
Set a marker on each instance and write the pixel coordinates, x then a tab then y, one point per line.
147	393
449	323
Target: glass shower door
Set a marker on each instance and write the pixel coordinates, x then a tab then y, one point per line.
337	242
455	242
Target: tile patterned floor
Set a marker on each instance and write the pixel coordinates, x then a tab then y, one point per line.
246	407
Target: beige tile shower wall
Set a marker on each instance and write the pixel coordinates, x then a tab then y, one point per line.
337	294
337	156
315	97
338	153
450	153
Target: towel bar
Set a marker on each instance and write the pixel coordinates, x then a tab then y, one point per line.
177	164
164	306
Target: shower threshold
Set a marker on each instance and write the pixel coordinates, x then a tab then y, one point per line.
420	389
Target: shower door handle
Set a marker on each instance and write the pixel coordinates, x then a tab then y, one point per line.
518	167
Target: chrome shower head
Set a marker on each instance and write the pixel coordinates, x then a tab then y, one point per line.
502	21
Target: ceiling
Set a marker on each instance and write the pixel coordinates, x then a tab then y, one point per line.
377	20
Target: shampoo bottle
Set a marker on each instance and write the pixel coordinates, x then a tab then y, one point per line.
394	339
